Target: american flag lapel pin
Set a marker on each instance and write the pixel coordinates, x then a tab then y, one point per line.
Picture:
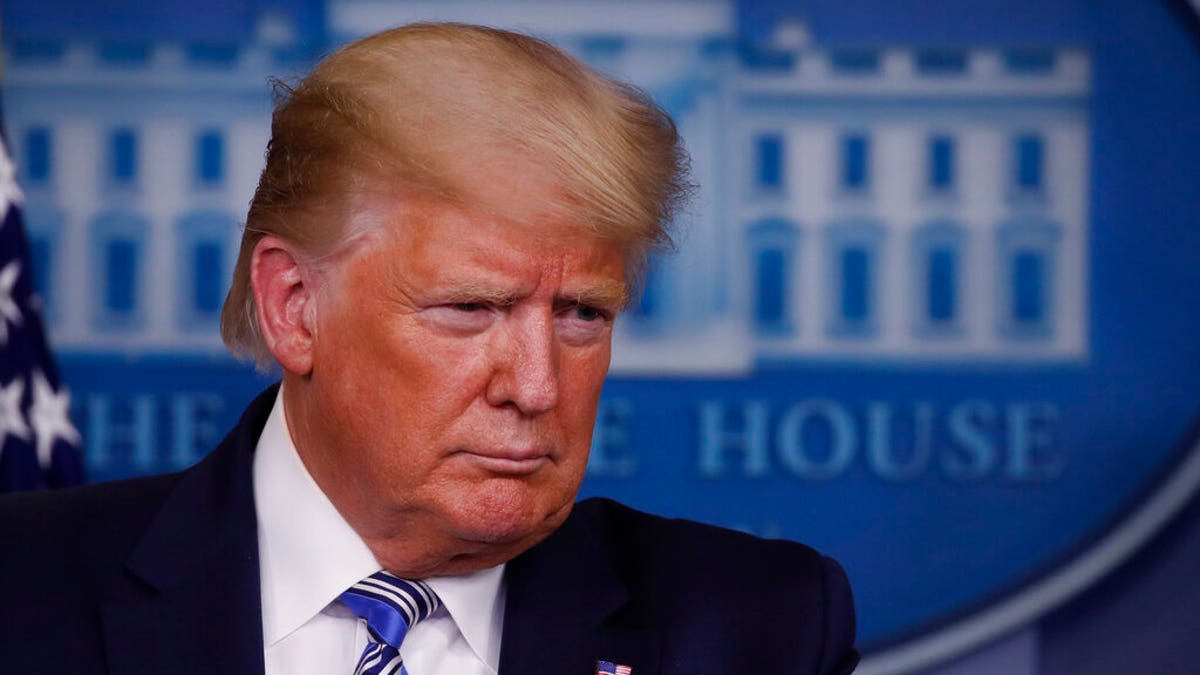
610	668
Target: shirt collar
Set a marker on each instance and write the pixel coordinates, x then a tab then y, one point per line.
309	554
476	603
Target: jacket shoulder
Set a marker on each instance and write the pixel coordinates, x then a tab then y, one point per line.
693	549
783	605
85	536
77	532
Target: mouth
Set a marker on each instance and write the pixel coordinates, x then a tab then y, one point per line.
508	461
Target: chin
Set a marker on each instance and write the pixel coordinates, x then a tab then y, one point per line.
510	517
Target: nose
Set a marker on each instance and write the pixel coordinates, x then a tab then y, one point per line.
525	365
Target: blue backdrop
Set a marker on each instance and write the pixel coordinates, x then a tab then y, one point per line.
934	312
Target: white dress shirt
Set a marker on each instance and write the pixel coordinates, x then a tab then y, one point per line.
308	555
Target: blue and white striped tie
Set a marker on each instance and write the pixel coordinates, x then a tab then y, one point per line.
390	605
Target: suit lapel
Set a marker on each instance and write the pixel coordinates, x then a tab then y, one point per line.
191	602
567	608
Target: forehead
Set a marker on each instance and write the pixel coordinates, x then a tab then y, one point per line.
516	239
495	182
487	233
514	184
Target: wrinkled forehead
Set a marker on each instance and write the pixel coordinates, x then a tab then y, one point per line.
504	231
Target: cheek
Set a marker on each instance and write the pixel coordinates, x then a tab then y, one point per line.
581	387
409	390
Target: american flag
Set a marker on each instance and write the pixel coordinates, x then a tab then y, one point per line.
39	446
610	668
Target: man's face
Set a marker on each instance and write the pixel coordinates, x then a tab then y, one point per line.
457	367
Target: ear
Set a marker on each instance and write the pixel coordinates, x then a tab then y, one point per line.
285	300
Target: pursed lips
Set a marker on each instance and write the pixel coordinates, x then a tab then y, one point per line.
512	461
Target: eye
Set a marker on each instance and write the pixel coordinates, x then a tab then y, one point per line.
580	324
461	318
588	313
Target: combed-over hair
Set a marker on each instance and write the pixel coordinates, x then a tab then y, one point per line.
401	104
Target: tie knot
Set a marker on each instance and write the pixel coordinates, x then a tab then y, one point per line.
390	605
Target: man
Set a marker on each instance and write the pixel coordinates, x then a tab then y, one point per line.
447	226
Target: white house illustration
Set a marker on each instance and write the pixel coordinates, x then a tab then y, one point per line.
879	204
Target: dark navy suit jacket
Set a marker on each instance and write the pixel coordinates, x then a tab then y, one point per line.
160	576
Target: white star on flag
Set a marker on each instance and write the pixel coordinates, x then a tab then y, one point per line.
50	418
8	305
41	448
12	419
10	193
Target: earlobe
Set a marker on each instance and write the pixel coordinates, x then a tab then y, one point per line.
284	300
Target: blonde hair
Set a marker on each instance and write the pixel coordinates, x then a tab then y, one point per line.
402	104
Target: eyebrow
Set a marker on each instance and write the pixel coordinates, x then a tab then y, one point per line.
606	293
476	292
